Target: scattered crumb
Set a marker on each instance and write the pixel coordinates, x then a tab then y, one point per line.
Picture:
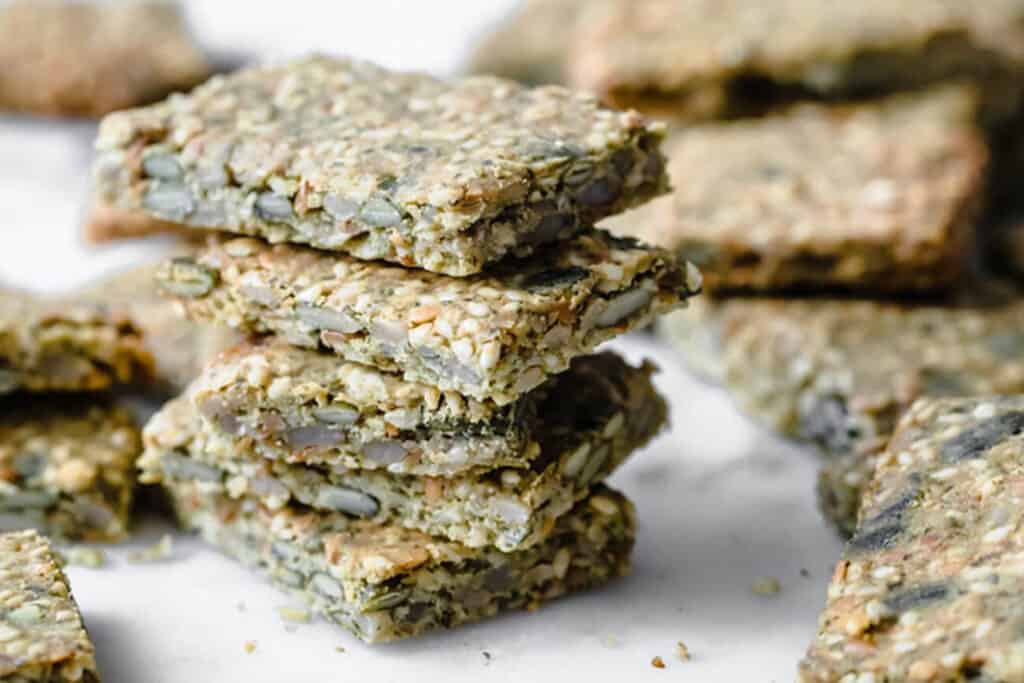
658	663
157	552
290	628
80	556
250	646
766	585
295	615
487	657
241	606
682	651
610	641
339	648
805	573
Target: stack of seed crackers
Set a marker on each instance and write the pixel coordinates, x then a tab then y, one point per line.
845	166
416	433
67	452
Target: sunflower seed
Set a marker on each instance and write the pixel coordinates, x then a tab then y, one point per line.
162	165
385	601
384	452
169	200
274	207
339	208
380	213
337	414
189	279
623	306
326	586
326	319
347	500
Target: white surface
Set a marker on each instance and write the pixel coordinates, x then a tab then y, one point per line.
720	503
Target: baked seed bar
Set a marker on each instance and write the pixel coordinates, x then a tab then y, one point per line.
928	586
346	156
67	467
581	438
530	44
299	406
493	336
838	373
43	637
708	58
881	196
61	345
83	58
383	582
180	349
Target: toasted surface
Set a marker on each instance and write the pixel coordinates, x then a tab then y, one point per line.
90	58
929	585
64	345
67	467
44	638
384	582
492	336
880	197
445	176
583	431
695	58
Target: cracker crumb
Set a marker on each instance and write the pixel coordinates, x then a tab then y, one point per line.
682	651
240	606
487	657
766	585
658	663
80	556
339	648
250	646
805	573
296	615
159	551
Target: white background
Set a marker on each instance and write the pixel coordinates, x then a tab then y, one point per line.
720	502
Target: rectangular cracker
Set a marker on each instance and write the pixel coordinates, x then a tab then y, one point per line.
180	349
711	58
350	157
928	587
838	373
582	433
44	639
298	406
882	196
69	58
67	467
63	345
492	336
383	582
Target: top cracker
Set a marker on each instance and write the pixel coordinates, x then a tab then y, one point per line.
698	58
347	156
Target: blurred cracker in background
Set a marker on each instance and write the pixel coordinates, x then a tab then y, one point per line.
90	58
